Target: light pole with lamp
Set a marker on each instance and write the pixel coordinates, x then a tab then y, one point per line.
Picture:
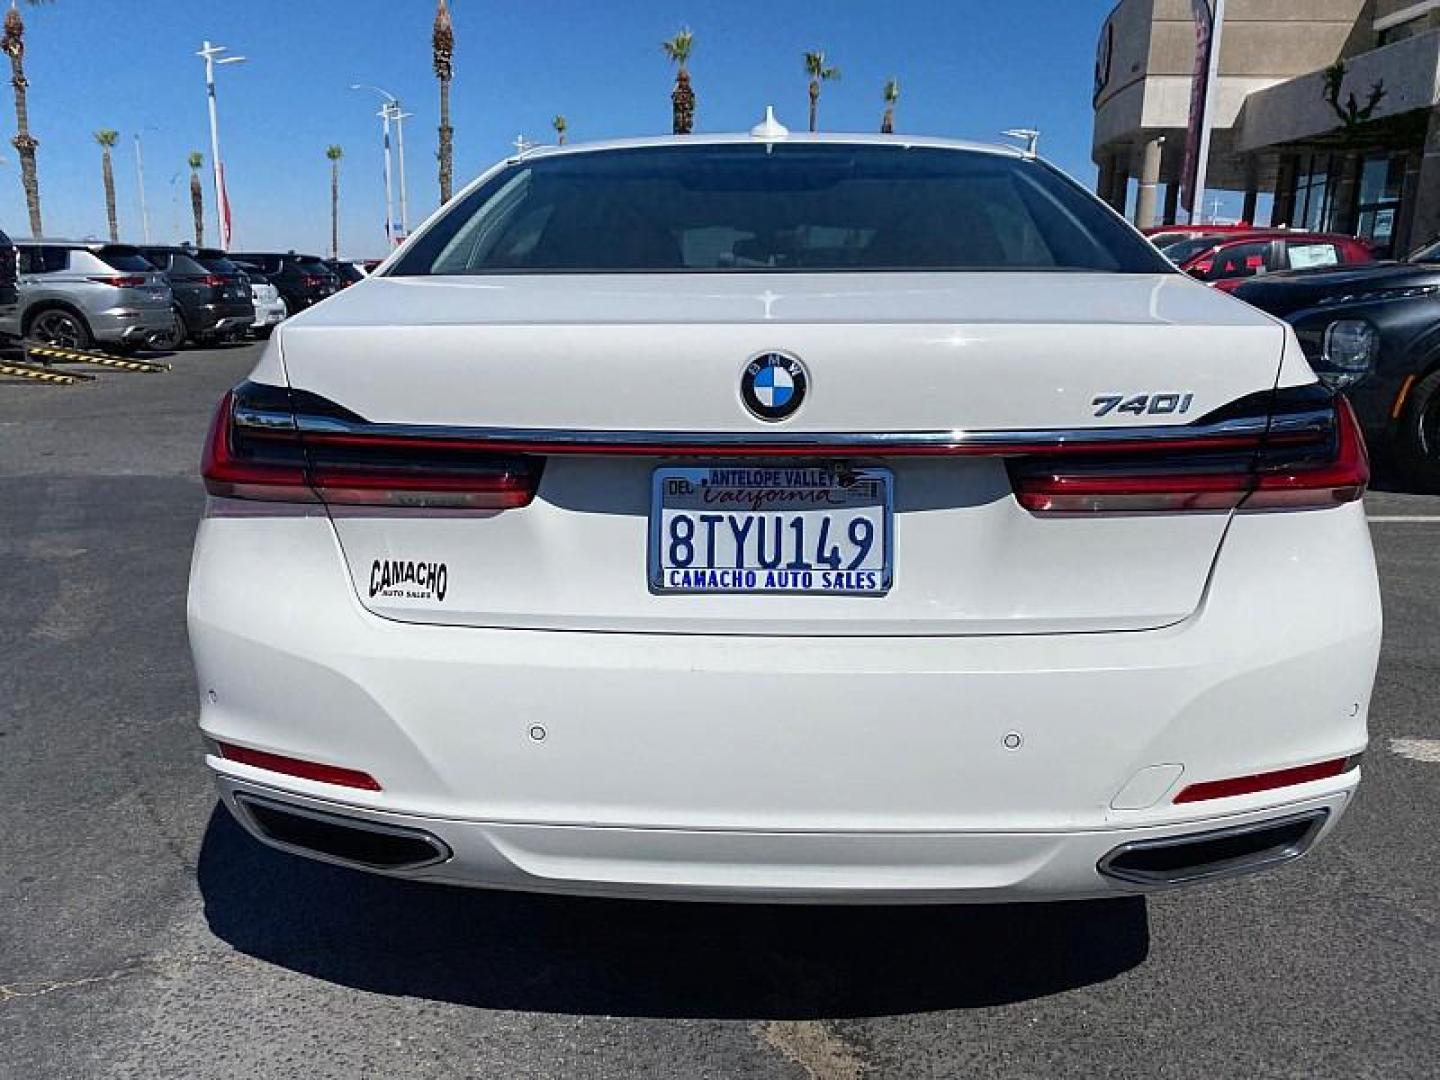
211	54
140	182
391	110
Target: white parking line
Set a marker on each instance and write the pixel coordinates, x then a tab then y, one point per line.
1417	749
1386	519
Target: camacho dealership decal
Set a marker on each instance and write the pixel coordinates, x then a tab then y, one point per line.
397	578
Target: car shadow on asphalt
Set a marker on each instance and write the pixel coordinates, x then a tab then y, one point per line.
534	953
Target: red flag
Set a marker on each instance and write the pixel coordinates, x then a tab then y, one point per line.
224	211
1199	85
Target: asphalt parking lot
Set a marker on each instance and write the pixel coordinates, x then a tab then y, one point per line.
143	935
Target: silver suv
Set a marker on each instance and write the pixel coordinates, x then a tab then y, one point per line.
77	294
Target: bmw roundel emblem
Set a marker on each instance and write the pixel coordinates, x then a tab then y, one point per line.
773	385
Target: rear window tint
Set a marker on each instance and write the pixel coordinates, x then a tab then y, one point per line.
126	258
784	207
184	264
218	265
42	260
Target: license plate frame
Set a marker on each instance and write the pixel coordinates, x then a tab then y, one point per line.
868	492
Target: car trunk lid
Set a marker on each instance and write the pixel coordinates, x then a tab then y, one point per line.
596	359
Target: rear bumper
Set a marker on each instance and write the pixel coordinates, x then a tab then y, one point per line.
219	318
131	324
770	867
986	768
271	314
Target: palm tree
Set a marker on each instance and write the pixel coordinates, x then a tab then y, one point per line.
197	196
892	95
107	139
682	98
819	72
560	124
334	153
13	44
442	47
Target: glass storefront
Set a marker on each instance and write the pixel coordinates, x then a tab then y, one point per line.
1382	176
1374	204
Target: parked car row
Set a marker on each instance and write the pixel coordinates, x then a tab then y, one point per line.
1225	259
126	297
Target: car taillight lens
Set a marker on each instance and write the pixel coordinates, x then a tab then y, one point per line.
214	281
312	281
256	450
1324	464
119	281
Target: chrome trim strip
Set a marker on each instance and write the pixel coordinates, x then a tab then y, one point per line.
542	438
261	418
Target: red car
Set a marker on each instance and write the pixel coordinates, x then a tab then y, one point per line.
1226	262
1164	235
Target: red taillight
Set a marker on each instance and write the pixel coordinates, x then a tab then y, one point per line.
267	457
214	281
312	281
1342	479
1200	481
1266	781
306	770
119	281
250	476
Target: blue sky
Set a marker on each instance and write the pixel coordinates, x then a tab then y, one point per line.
967	68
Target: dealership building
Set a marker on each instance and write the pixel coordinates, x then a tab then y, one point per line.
1332	107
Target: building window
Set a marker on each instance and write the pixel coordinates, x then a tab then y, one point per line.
1314	192
1382	176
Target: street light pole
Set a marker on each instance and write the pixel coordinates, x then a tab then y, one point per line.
399	117
140	182
391	111
211	54
389	198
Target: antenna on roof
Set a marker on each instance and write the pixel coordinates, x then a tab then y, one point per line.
1030	135
769	129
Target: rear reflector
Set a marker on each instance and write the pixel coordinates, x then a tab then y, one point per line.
306	770
1325	468
1266	781
251	458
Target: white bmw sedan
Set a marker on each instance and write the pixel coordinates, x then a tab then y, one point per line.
785	518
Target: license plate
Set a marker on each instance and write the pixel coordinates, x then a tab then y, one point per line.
771	529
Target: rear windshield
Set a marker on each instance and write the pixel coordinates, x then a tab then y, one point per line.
1184	250
184	264
126	258
777	208
314	266
1430	253
218	265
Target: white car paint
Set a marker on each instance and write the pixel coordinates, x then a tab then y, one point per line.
270	310
1031	695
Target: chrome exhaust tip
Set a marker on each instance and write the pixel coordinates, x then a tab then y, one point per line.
338	838
1194	857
